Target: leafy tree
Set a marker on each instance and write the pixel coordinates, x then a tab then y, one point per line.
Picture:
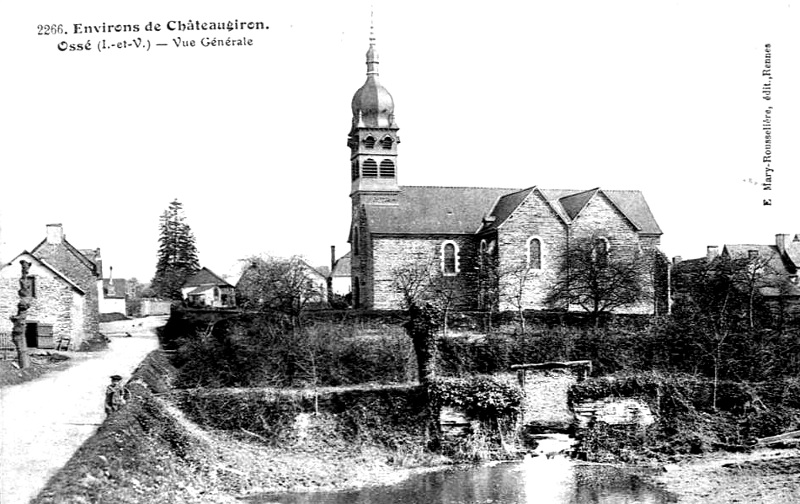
177	253
599	279
283	287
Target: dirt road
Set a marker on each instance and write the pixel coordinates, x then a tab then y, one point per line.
43	422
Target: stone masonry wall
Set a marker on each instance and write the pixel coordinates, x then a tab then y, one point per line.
56	304
361	260
545	401
601	218
533	217
422	253
61	258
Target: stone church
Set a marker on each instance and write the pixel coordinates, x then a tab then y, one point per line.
454	232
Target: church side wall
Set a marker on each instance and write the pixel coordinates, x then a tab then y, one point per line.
533	217
600	218
421	256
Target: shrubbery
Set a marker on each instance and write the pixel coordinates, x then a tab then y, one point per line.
687	419
258	352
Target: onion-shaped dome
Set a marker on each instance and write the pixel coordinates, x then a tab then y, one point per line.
373	106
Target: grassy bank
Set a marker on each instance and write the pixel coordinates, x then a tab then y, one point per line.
149	452
42	362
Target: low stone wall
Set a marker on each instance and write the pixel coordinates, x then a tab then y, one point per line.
546	387
613	411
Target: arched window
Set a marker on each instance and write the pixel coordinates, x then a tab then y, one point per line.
369	142
387	142
600	249
482	256
449	258
369	169
534	253
387	168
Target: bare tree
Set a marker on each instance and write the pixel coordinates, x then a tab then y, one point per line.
515	279
19	320
420	282
751	274
279	286
412	280
600	280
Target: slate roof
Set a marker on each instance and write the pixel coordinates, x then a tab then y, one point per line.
199	290
434	210
770	252
90	260
205	277
505	205
460	210
47	265
574	203
631	203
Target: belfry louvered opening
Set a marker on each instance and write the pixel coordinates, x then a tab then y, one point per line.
369	169
387	168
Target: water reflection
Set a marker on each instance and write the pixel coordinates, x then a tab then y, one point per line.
535	480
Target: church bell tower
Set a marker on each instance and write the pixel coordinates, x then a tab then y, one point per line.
373	140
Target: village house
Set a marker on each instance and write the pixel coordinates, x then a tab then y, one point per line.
207	289
339	282
56	314
114	295
68	286
458	232
775	266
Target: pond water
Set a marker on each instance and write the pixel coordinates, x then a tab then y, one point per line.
556	480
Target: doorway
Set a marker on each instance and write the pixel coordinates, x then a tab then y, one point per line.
32	335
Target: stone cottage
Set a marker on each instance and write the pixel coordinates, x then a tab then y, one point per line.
776	265
455	232
82	266
207	289
57	312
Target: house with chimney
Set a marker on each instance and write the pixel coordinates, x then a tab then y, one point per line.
776	265
66	287
339	282
114	295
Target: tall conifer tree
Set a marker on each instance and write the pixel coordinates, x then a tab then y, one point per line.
177	253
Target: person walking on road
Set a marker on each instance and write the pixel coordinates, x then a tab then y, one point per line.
116	395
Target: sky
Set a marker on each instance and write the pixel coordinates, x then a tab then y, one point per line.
663	96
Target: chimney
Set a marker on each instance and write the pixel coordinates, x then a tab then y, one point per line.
780	242
110	273
676	260
55	234
333	257
712	251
